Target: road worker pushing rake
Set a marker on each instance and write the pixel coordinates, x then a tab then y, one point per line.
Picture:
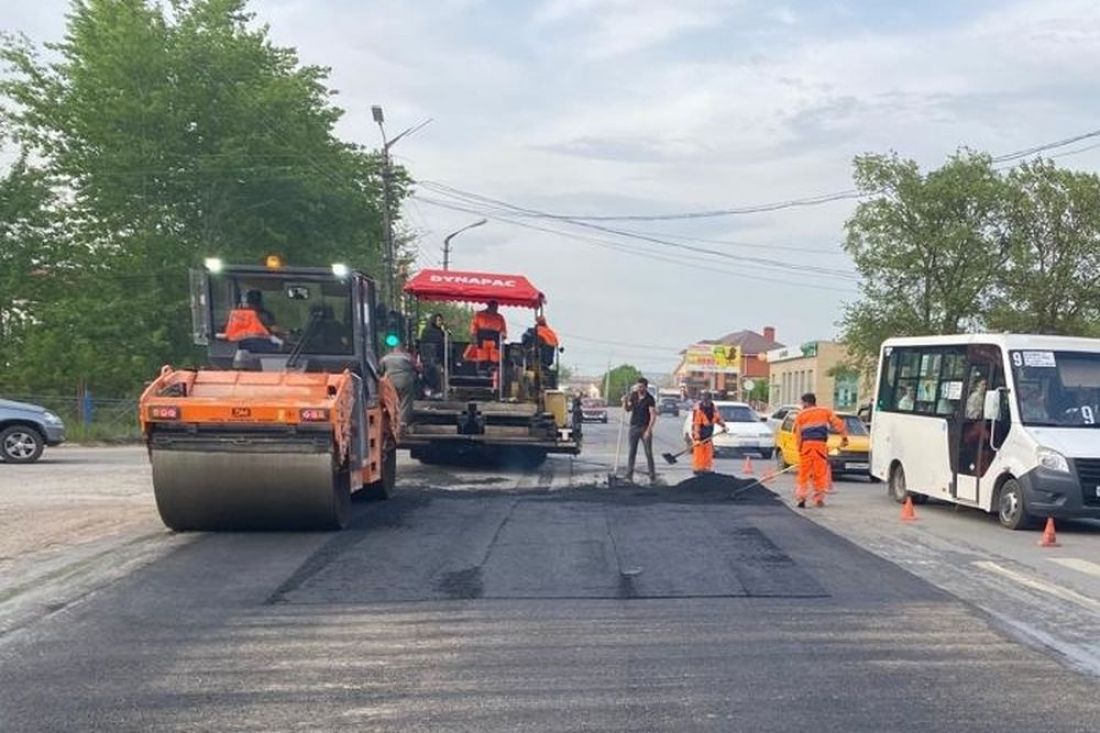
811	430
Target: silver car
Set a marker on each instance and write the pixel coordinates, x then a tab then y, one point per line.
26	430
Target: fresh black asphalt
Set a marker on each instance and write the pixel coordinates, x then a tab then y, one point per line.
626	609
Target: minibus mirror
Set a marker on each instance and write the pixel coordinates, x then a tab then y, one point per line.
992	406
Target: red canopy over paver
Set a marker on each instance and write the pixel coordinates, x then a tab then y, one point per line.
475	287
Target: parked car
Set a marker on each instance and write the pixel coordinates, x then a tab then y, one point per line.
26	430
594	410
776	418
854	459
668	406
745	433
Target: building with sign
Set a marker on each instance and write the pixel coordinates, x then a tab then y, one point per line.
818	367
723	364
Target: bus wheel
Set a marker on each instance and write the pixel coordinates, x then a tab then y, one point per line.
1010	506
895	486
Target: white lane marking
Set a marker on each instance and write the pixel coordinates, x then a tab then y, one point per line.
1040	585
1076	563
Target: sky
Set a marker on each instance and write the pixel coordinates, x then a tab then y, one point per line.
649	107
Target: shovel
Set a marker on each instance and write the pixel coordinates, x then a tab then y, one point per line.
613	477
670	458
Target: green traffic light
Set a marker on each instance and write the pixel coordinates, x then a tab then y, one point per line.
392	340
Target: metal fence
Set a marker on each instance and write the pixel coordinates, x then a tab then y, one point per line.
88	417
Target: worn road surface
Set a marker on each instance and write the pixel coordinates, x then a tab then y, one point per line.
484	601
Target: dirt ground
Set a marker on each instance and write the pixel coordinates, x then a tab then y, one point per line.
73	522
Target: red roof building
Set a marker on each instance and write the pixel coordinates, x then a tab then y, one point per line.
753	346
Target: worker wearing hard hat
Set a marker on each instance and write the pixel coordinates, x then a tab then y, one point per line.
811	430
703	419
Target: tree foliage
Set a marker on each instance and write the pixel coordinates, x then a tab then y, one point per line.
967	247
619	381
170	134
26	239
1050	284
927	245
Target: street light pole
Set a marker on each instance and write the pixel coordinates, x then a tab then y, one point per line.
387	225
389	253
452	235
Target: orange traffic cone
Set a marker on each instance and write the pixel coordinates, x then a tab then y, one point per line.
1049	539
747	467
908	514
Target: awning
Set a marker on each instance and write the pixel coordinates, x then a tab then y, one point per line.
475	287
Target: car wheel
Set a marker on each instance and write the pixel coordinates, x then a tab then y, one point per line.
780	463
20	444
1011	508
767	453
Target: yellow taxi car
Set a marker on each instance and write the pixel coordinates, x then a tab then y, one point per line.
853	459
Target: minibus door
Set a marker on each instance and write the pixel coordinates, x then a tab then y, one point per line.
976	451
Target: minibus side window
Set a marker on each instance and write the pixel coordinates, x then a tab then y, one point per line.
905	387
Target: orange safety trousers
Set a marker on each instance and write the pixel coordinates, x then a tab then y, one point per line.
813	467
702	456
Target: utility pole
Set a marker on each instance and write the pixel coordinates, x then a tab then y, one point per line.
389	249
452	235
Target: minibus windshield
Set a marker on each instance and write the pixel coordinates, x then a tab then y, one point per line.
1057	388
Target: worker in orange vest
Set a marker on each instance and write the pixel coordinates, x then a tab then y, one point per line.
811	430
251	326
487	329
546	334
703	419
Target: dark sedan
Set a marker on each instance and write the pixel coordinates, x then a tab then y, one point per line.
669	406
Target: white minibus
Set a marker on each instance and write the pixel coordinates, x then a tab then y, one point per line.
1007	423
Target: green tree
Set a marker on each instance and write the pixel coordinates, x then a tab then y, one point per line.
619	381
927	245
26	236
1049	283
175	133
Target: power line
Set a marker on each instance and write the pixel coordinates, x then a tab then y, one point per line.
825	198
620	247
479	200
1016	155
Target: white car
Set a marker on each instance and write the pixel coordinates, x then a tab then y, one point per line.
745	432
776	418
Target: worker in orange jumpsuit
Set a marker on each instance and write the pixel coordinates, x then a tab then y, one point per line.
487	330
811	430
703	419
